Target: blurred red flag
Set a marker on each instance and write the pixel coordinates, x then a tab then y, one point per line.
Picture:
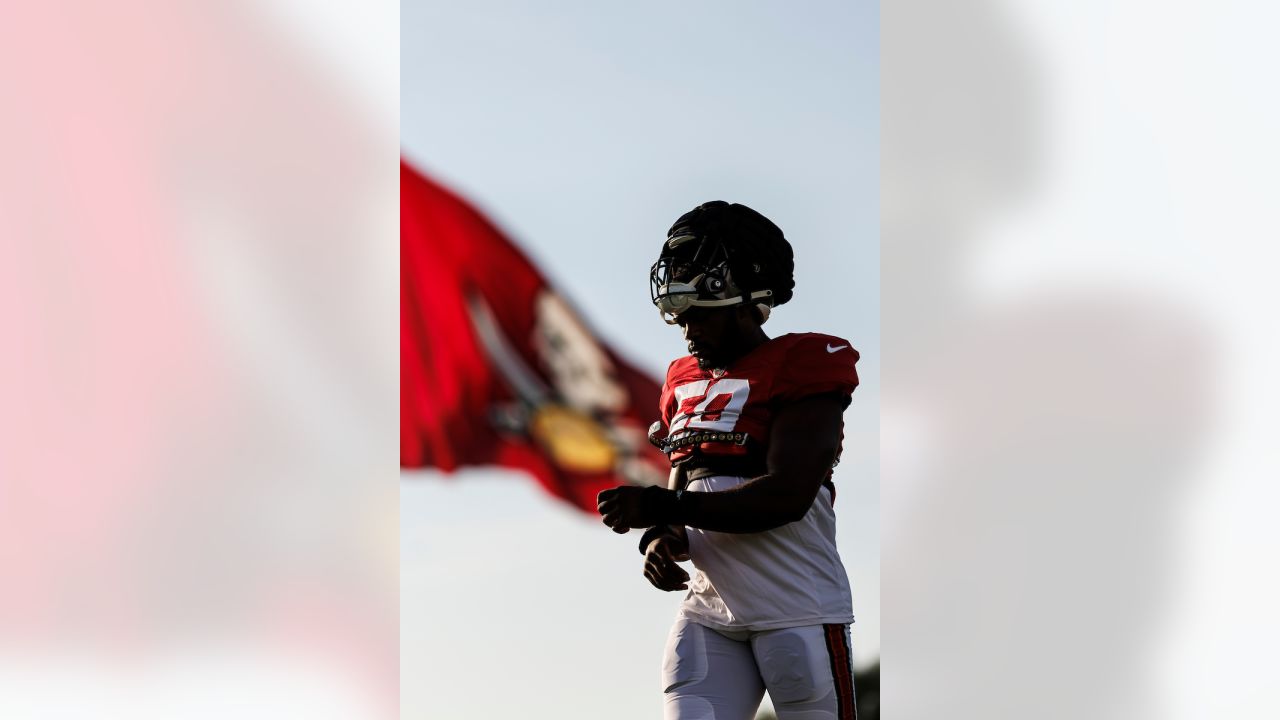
497	368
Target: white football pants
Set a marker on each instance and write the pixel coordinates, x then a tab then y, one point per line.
707	675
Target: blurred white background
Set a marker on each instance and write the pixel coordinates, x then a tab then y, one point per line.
1079	345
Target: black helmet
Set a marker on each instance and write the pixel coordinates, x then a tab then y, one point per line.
721	254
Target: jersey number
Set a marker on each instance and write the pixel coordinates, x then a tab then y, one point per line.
710	408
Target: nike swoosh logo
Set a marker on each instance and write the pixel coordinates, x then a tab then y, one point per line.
831	349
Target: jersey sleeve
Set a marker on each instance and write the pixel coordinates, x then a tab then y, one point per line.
817	365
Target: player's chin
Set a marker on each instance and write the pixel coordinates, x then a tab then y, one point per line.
701	352
706	361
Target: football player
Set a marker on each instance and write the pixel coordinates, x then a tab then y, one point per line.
753	427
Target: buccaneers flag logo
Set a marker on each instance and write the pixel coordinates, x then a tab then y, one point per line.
496	368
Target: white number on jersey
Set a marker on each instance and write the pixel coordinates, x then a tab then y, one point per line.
719	410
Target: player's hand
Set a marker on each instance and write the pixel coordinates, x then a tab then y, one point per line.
622	508
660	567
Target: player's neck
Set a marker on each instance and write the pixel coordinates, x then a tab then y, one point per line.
749	340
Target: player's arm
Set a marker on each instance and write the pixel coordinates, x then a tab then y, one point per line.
678	478
803	442
664	546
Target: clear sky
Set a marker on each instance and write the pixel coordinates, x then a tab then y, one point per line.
584	129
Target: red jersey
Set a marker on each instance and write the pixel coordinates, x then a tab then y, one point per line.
728	414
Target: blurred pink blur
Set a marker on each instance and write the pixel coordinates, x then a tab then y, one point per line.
197	284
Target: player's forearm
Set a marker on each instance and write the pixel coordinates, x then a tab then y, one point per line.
765	503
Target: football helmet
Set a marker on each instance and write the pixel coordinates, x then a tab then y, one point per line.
703	261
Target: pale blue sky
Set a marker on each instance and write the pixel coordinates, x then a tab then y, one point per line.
584	129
